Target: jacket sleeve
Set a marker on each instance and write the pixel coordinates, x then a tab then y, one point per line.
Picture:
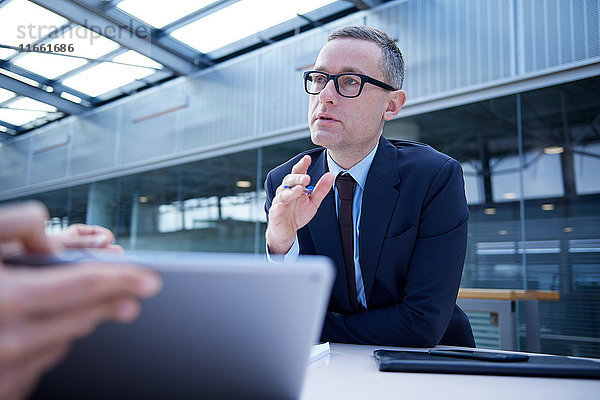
432	280
270	193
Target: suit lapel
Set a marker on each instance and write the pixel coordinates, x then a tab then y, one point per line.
325	232
378	204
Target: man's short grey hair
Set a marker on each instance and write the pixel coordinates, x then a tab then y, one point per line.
391	63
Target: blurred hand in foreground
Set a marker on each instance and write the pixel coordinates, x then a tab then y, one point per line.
43	310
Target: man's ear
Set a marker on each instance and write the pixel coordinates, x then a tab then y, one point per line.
395	103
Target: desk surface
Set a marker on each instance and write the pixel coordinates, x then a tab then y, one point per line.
350	372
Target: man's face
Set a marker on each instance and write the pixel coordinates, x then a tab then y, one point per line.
349	125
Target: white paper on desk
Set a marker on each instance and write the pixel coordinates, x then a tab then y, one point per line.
318	351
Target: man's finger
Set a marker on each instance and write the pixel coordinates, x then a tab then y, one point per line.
288	195
55	289
322	187
18	381
292	180
25	223
301	167
87	236
23	340
114	248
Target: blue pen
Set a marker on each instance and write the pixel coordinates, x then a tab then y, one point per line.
307	189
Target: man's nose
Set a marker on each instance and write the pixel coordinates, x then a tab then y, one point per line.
329	93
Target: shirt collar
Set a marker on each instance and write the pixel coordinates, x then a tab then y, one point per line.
359	171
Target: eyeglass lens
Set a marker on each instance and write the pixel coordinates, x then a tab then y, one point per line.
348	84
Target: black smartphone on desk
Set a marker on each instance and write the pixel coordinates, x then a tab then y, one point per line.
479	355
474	362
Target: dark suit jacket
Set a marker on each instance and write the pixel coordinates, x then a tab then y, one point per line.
413	235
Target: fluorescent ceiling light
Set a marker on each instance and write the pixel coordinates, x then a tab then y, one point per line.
241	20
71	97
554	150
161	13
19	77
243	184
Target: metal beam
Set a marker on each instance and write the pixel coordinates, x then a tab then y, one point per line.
196	15
365	4
56	85
53	99
10	126
125	30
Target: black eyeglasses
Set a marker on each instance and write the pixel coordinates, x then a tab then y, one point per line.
347	84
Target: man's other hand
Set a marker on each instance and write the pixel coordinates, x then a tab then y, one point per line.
292	208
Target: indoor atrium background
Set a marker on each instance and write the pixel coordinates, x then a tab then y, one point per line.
509	89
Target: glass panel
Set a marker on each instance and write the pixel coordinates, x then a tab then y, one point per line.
79	41
586	160
48	65
560	124
483	138
5	95
105	77
135	58
241	20
161	13
22	22
24	110
82	42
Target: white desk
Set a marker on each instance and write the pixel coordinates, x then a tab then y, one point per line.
350	372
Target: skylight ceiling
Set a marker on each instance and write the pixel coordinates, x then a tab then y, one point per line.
78	68
6	95
161	13
83	42
107	76
22	23
241	20
24	110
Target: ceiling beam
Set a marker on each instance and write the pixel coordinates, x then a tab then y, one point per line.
201	13
10	126
128	32
56	85
53	99
365	4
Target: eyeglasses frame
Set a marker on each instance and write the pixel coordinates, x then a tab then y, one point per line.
363	80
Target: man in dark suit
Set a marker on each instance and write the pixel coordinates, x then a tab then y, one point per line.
395	223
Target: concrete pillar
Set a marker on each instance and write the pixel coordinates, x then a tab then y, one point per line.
101	204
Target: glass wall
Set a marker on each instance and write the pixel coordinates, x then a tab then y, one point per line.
531	163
